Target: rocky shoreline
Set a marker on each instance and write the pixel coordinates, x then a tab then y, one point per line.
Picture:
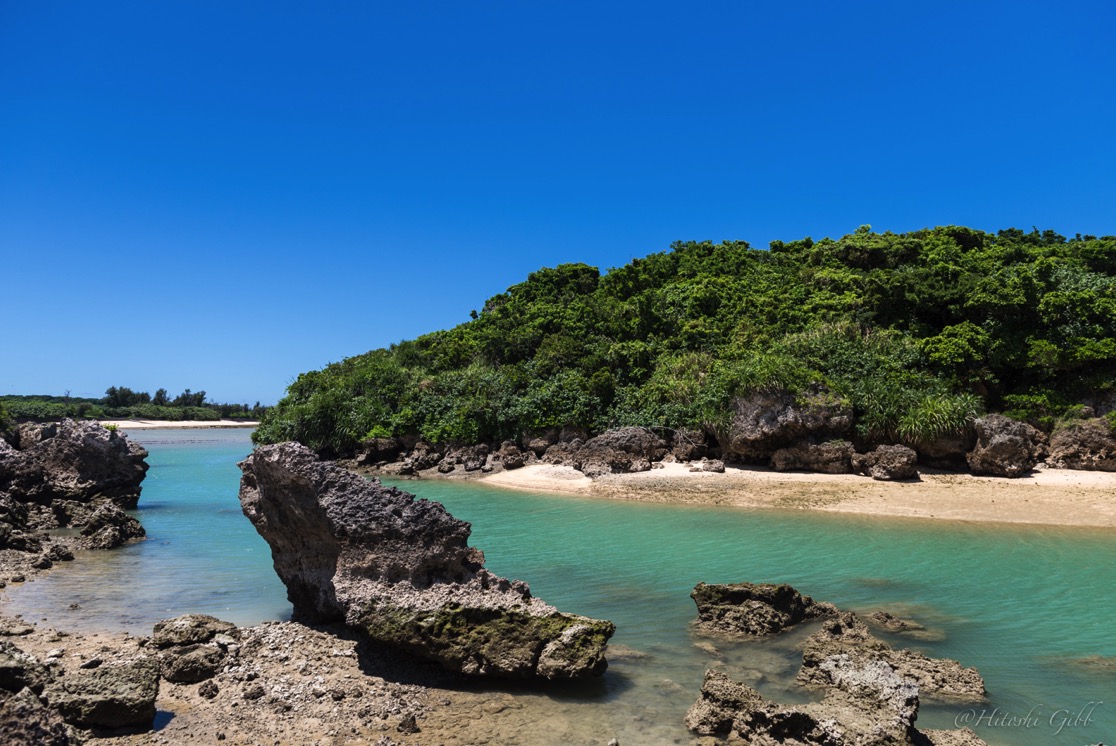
196	679
782	433
71	475
400	626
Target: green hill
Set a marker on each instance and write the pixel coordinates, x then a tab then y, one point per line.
917	331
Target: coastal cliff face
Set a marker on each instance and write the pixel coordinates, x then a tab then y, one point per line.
401	570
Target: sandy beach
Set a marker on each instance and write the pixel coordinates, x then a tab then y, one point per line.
170	424
1054	497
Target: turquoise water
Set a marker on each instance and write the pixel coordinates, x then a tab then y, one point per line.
1023	605
201	553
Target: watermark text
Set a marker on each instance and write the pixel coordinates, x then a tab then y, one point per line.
1039	716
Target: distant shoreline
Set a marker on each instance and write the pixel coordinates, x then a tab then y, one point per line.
177	424
1049	497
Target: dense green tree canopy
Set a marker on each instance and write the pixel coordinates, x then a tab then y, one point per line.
913	329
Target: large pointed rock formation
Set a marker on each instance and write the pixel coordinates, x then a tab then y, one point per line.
401	569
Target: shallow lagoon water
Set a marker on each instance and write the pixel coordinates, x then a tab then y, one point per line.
1024	605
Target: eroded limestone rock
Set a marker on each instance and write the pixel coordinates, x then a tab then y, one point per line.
401	570
832	457
118	696
73	461
764	422
1089	445
867	703
1005	447
754	608
887	462
194	647
847	635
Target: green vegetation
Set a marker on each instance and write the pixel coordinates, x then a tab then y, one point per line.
918	332
123	403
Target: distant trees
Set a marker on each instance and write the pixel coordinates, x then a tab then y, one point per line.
124	397
187	399
124	402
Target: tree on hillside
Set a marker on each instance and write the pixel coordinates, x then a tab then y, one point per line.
914	331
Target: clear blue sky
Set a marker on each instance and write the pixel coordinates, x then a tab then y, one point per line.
220	195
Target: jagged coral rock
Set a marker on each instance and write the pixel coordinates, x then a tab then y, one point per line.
401	570
754	608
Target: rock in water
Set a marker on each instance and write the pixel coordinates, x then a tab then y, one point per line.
71	474
847	637
867	704
754	608
401	570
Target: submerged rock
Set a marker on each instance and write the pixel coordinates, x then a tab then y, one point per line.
1005	447
888	621
754	608
401	570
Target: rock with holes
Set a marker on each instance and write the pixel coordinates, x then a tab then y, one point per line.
754	609
401	569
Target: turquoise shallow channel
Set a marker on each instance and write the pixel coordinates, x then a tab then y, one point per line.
1034	609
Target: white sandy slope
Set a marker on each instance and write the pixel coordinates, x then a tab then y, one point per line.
173	424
